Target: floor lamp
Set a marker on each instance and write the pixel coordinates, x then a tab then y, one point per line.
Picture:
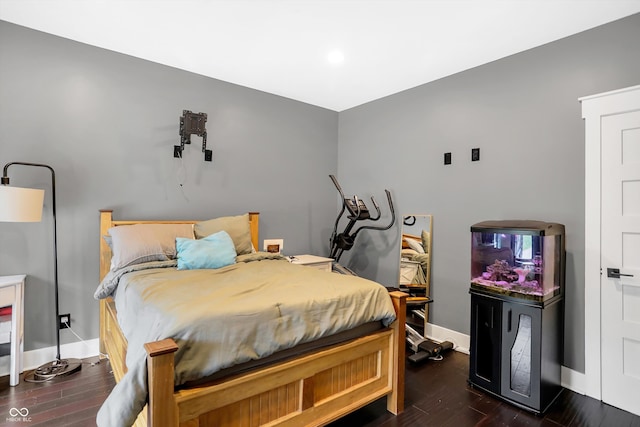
25	205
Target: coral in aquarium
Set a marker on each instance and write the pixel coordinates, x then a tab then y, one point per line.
500	271
522	273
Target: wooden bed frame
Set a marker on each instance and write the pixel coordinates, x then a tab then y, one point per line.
311	389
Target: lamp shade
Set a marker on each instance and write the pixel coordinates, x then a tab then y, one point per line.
20	204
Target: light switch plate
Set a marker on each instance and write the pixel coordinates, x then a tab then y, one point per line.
447	158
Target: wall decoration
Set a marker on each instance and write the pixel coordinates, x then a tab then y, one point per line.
192	124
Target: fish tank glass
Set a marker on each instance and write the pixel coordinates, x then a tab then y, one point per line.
520	259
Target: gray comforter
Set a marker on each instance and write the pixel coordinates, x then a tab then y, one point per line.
228	316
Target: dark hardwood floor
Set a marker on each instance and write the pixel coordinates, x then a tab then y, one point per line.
73	400
437	394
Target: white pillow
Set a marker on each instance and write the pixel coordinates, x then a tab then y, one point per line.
415	245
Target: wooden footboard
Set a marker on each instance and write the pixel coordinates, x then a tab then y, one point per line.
314	389
311	390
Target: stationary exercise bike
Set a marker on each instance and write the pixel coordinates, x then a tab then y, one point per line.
423	348
358	211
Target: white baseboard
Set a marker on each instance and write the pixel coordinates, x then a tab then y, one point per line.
573	380
570	379
34	358
439	334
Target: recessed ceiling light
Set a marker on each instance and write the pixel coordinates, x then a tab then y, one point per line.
335	57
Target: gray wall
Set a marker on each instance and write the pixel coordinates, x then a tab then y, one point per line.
523	113
107	124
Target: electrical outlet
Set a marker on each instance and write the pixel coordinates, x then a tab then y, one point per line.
208	155
177	151
475	154
64	320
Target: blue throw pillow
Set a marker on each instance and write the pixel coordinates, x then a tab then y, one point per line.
214	251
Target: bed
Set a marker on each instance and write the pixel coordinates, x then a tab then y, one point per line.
304	387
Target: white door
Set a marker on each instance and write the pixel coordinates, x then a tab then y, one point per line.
620	249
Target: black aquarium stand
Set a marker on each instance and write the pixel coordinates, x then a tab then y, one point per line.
516	349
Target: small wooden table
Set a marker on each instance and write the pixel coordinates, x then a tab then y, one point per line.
12	294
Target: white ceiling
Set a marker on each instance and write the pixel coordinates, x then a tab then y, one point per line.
281	46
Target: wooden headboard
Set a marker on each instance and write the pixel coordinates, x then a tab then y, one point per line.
106	222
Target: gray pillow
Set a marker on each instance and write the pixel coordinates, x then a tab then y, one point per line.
236	226
135	244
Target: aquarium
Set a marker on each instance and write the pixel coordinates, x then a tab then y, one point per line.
521	259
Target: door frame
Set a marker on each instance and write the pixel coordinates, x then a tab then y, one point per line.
593	108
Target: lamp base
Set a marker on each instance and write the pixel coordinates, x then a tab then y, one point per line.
51	370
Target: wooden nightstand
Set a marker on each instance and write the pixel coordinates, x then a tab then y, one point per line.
12	294
318	262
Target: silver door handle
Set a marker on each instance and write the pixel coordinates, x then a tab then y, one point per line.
614	273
